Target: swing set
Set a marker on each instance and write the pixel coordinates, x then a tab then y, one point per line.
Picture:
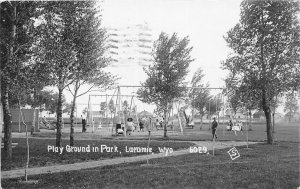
123	115
123	118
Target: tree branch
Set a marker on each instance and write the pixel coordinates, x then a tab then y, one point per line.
69	83
70	90
86	91
20	47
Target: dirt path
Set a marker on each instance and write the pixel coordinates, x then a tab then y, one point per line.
92	164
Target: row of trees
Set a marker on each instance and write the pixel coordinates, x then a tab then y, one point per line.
263	64
59	44
45	100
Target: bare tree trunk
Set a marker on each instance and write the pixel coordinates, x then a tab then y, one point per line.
111	121
5	87
59	118
7	150
273	116
250	125
165	124
27	142
267	111
187	120
72	115
201	124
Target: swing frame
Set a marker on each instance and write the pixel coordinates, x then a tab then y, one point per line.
119	96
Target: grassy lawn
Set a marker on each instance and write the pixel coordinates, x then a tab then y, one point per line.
39	155
262	166
283	132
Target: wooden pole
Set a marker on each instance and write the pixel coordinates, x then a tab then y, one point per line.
148	146
213	146
247	127
223	99
106	108
209	115
179	120
76	115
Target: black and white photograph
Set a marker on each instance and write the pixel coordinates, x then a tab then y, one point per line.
150	94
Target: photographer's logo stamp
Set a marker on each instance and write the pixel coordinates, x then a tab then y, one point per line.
233	153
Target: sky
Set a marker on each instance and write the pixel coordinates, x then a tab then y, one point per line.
204	21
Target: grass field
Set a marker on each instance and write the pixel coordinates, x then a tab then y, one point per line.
261	166
283	132
39	155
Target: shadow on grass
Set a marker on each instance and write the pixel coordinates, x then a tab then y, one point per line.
264	166
39	155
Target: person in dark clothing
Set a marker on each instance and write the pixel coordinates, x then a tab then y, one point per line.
214	128
141	124
83	121
229	127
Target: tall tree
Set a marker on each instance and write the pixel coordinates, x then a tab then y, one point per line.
200	94
266	45
89	48
165	81
68	48
16	38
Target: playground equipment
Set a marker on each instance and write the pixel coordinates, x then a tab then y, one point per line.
126	119
122	109
45	124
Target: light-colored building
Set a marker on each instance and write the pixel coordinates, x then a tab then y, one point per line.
130	45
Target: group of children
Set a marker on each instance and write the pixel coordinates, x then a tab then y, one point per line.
230	127
131	126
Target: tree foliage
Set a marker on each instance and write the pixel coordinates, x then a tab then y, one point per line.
71	48
199	97
213	104
166	76
291	104
89	48
111	106
265	52
17	35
